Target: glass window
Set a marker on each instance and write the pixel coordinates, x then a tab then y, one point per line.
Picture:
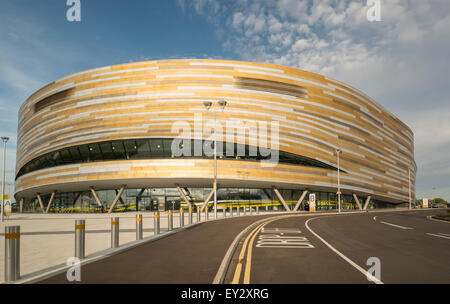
84	153
46	161
131	149
57	158
36	163
107	151
118	149
167	146
147	149
143	149
65	155
156	147
94	151
208	148
240	151
85	202
75	153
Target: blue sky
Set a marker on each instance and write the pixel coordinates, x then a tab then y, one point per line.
401	61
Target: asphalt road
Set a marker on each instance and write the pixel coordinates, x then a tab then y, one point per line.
410	247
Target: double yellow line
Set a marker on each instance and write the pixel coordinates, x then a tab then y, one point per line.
247	247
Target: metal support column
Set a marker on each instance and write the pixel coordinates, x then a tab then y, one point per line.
300	200
4	139
190	216
281	199
114	232
12	253
116	199
183	195
357	201
205	204
80	239
156	222
38	195
367	202
181	217
94	194
170	220
199	214
50	202
139	227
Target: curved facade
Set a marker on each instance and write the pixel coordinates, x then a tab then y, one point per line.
114	126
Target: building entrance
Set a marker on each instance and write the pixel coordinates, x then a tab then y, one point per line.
146	203
173	203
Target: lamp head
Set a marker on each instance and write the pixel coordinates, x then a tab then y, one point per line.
207	104
5	139
222	103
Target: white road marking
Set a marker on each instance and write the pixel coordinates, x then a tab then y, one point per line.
444	234
398	226
304	246
438	235
277	238
280	230
375	218
360	269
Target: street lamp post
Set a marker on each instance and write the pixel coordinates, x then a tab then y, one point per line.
338	151
409	181
4	139
215	167
208	104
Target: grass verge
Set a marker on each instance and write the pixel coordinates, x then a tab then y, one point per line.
443	216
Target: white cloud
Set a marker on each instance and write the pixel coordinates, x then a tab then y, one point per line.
238	19
300	45
294	9
17	78
402	61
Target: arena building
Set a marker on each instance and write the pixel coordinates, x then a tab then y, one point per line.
103	140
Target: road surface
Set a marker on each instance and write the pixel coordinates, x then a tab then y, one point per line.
300	249
410	248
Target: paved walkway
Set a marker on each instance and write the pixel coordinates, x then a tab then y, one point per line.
48	240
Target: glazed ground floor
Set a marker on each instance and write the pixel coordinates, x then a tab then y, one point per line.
162	199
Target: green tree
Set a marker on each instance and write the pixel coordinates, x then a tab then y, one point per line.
439	201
